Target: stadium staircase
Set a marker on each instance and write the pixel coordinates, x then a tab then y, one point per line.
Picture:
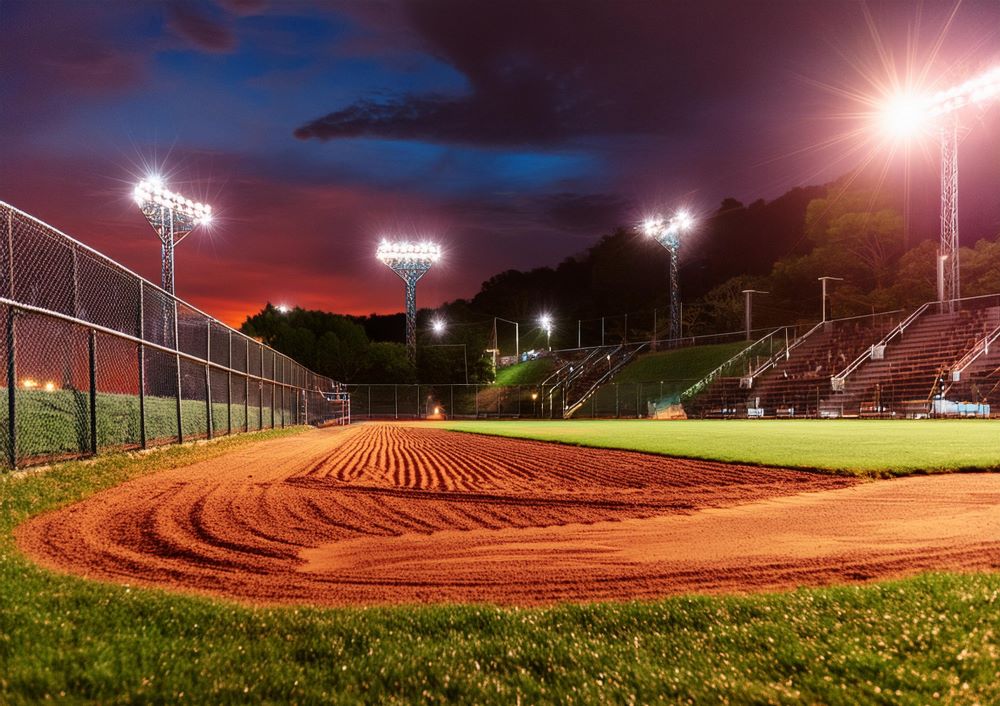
597	370
903	373
975	379
797	384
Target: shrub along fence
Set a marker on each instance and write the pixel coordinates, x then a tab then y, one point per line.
96	358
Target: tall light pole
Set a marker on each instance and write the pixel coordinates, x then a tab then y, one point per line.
667	233
410	261
824	280
905	116
747	307
173	217
517	335
545	321
438	326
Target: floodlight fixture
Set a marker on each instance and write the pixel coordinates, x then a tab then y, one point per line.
409	260
545	321
438	326
173	217
667	232
283	308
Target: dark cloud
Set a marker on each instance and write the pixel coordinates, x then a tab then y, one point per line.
244	7
588	213
542	73
186	19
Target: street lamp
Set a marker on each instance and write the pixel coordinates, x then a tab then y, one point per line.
410	261
747	307
173	217
517	335
824	280
545	321
667	233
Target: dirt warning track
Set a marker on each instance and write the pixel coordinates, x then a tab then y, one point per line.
386	513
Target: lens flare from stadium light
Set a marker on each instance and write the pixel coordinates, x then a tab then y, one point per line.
283	309
438	326
409	260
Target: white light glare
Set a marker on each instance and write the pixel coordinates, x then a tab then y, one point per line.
658	225
545	321
282	309
904	115
438	326
425	251
152	191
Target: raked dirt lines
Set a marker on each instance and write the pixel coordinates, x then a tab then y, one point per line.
400	513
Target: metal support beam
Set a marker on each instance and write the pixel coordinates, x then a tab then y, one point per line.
949	287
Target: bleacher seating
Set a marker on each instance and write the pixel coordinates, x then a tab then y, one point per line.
916	364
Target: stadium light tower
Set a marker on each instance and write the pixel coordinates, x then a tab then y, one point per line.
667	233
410	261
904	116
173	217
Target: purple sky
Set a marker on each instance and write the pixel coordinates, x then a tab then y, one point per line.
515	132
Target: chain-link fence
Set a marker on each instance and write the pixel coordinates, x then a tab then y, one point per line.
98	358
610	401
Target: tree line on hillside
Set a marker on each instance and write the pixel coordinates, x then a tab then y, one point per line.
616	289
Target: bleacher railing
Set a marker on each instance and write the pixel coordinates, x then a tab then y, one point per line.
98	358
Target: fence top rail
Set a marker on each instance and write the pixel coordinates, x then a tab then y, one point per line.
114	264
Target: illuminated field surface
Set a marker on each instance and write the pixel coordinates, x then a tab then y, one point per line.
383	514
864	447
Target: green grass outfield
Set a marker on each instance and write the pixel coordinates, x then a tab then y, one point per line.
923	640
863	447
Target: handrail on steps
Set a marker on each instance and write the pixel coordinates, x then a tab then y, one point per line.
838	381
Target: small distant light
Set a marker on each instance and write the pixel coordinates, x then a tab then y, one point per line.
50	386
282	309
28	384
437	410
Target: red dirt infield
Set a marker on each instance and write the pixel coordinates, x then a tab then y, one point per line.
396	513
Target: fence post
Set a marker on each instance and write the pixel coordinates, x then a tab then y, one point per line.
618	412
395	401
92	349
142	372
177	356
208	379
246	387
260	393
274	362
11	389
229	388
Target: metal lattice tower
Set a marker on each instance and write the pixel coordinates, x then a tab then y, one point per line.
949	285
173	217
410	261
667	233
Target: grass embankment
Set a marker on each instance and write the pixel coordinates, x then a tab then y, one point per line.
530	372
860	447
58	422
655	380
70	640
679	368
